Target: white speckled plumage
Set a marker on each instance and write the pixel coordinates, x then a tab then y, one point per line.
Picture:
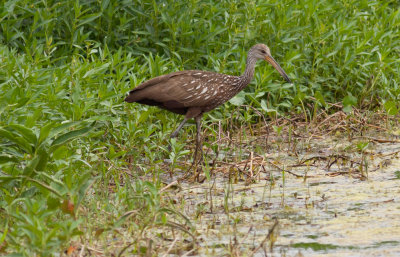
194	92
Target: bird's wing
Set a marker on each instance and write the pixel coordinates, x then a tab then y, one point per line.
154	88
182	89
157	80
208	89
195	88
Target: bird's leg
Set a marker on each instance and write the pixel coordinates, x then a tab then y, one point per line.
175	133
198	136
197	160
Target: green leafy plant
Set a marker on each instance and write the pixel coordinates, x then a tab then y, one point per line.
75	160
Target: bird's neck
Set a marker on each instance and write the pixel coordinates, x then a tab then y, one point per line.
248	74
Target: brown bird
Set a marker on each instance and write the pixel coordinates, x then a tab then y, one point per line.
194	92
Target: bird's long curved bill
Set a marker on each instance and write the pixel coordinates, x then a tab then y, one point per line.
272	61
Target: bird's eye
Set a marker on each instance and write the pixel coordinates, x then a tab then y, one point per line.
263	51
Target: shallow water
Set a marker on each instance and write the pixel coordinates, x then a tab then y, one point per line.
335	211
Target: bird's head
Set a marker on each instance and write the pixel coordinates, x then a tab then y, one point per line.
261	51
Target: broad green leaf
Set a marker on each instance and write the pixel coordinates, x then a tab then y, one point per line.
33	117
20	141
391	108
299	98
45	131
238	100
8	158
62	127
104	4
25	132
264	106
3	236
30	168
115	155
88	18
69	136
43	154
53	203
143	116
253	99
271	112
3	106
260	94
6	179
86	180
320	98
60	153
96	70
348	102
362	146
45	186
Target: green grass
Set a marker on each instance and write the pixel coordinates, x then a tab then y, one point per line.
73	154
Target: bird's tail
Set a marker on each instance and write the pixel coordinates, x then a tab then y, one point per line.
133	96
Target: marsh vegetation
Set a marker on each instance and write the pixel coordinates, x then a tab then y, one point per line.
304	168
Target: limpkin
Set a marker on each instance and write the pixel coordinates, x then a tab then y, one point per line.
194	92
